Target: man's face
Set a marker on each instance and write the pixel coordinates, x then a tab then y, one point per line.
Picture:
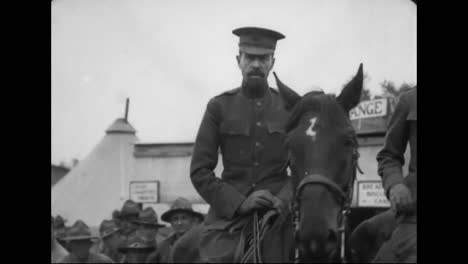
113	241
255	68
148	231
128	226
182	222
80	248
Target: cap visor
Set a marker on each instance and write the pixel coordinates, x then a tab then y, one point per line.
256	50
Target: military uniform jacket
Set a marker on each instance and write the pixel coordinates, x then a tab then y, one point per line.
92	258
162	254
402	130
250	135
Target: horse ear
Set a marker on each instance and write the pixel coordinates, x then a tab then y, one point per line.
289	96
351	93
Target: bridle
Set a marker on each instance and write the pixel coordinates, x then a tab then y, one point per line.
344	197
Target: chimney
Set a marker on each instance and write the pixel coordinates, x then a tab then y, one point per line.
127	102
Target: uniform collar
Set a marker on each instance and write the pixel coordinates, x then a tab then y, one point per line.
260	101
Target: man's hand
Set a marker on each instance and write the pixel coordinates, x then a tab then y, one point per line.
258	200
400	198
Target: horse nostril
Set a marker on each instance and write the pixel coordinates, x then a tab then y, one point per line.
332	242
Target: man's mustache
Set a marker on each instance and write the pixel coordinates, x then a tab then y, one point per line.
256	73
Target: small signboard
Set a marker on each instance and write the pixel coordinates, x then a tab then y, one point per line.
144	191
371	194
369	109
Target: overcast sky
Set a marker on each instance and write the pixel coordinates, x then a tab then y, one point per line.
171	57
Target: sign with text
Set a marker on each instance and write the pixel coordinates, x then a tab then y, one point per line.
368	109
371	194
144	191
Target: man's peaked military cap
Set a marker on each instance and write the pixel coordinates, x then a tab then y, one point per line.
257	41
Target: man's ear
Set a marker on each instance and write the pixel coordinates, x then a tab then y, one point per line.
238	60
273	62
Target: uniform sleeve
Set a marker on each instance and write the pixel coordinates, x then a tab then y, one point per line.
391	158
221	196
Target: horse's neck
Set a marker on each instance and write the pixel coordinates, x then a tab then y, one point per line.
278	243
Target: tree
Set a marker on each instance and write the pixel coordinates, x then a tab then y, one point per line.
365	95
390	90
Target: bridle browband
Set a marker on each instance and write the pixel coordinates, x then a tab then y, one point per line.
344	196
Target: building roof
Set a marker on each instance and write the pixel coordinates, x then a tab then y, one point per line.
121	126
163	149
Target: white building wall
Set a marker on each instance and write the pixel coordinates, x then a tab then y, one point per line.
173	174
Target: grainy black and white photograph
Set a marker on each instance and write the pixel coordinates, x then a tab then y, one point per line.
215	131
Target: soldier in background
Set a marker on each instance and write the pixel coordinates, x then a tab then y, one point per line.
127	216
136	248
80	241
147	223
110	240
182	218
60	230
57	251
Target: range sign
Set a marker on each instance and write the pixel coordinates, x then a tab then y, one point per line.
368	109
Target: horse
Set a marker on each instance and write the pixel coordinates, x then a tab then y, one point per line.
368	237
323	160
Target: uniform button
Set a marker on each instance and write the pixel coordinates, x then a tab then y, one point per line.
259	103
256	164
259	123
253	185
257	144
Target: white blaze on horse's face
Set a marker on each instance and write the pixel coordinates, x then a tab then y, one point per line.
310	131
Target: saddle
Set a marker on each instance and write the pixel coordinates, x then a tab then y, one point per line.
249	248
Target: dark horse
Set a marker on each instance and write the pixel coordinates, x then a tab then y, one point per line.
323	155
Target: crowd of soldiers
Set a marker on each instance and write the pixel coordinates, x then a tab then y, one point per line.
132	235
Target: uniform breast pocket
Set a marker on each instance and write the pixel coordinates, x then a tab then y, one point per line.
235	145
275	144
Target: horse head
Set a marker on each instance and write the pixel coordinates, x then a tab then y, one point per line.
323	155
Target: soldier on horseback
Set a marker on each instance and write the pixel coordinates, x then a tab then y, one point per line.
247	125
